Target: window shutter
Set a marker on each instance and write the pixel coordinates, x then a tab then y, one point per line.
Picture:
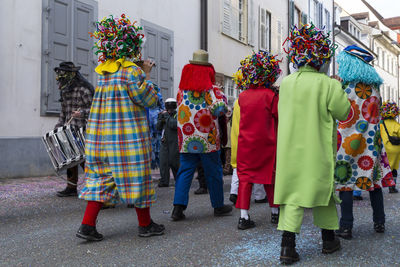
320	15
165	65
226	23
251	23
83	54
303	18
279	38
262	29
291	14
267	31
59	48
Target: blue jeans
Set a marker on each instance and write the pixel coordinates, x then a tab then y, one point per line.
346	207
211	163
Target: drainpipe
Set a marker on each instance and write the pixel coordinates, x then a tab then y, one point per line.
203	25
333	35
288	23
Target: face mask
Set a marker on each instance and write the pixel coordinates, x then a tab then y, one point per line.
64	78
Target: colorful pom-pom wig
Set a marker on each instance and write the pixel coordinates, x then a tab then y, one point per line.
117	38
389	110
259	69
309	45
353	69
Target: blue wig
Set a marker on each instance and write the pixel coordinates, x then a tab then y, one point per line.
354	70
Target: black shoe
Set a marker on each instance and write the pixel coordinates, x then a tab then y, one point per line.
89	233
233	198
357	198
274	218
329	247
201	191
151	229
68	192
344	233
289	255
130	206
245	224
223	211
379	227
264	200
108	206
393	189
177	213
163	185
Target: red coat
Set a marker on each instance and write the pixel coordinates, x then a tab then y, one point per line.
257	136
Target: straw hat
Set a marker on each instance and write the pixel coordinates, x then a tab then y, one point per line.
200	57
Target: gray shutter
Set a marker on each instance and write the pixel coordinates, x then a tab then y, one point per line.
151	51
165	65
83	24
251	23
291	14
158	48
59	49
226	22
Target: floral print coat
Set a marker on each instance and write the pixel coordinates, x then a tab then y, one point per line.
198	113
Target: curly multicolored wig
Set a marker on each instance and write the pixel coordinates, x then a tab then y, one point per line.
389	110
258	69
309	45
117	38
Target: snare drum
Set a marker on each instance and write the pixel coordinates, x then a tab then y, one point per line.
65	146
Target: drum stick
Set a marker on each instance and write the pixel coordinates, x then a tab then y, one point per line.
79	109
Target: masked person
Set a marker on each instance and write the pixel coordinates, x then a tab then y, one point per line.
200	104
76	98
258	122
390	127
361	162
169	152
118	143
310	102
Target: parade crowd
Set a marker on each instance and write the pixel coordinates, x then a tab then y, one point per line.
308	143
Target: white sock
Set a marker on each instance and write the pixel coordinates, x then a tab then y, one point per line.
244	214
274	210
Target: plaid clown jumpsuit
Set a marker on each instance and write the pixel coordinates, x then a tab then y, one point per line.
118	146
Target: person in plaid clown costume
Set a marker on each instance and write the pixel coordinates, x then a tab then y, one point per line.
118	146
200	103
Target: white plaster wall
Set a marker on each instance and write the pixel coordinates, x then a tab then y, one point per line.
20	51
181	17
225	52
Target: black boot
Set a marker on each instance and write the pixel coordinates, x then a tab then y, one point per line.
288	248
379	227
233	198
393	189
89	233
68	192
152	229
201	191
344	232
223	211
177	213
330	244
245	224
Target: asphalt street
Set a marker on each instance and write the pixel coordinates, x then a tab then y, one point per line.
37	228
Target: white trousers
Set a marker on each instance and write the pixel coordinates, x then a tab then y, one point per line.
258	189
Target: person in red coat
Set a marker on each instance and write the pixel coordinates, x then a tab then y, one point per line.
258	125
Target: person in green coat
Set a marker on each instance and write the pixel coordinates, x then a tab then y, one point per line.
309	104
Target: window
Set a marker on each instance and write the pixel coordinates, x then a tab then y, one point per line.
230	87
265	29
327	21
66	24
303	18
234	21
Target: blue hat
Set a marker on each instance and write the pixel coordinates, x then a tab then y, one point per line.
362	54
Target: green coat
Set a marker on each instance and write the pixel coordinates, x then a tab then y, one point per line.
309	105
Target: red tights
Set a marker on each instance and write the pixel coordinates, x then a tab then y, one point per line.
93	209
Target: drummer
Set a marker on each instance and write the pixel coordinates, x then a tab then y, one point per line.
76	98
